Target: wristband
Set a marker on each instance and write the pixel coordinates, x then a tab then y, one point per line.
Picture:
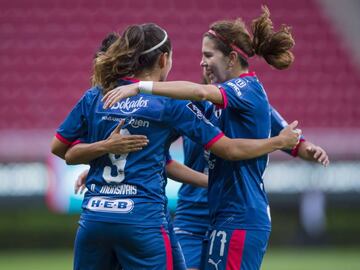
146	87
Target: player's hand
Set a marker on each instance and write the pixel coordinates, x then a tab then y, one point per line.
290	135
119	144
119	93
80	182
318	154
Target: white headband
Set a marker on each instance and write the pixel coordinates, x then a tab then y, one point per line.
157	45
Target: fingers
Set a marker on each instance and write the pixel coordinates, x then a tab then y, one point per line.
319	155
111	98
105	96
135	137
109	94
294	124
82	189
118	127
77	185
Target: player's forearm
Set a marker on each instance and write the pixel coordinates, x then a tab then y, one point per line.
58	148
186	175
241	149
250	148
83	153
188	91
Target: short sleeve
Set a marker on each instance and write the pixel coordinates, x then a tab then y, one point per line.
74	128
239	94
187	119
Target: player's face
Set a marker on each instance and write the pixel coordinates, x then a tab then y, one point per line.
167	67
214	63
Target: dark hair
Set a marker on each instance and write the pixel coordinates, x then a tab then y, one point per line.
107	42
274	47
124	56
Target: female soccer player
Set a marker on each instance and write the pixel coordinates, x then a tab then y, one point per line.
239	211
133	212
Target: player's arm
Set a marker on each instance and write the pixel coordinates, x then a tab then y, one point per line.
116	143
177	90
59	148
306	150
240	149
181	173
311	152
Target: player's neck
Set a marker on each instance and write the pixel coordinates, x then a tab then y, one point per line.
237	72
148	76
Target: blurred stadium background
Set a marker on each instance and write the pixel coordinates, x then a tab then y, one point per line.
46	52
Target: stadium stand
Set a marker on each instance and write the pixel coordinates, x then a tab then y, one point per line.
47	48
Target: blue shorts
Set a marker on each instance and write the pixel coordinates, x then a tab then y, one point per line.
191	245
234	249
177	252
102	246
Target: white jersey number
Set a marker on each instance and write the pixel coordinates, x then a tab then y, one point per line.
119	161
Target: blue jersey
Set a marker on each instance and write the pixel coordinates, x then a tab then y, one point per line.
237	198
196	157
192	211
193	201
130	188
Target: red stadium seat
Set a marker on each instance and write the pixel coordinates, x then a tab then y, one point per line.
47	50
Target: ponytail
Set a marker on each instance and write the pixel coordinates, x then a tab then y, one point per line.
274	47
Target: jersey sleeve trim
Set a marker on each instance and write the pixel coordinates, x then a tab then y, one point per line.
224	98
214	140
63	140
250	74
295	150
75	143
169	161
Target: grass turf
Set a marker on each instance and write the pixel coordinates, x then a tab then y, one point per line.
275	259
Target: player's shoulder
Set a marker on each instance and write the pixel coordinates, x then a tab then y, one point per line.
238	85
91	95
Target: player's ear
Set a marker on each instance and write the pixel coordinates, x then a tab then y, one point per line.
163	58
233	56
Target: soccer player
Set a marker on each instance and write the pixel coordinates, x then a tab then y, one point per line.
123	216
239	211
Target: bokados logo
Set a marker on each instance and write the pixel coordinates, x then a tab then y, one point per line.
129	106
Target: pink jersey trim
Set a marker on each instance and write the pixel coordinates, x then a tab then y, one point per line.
251	74
295	150
130	79
214	140
225	99
62	139
169	161
75	143
236	250
168	251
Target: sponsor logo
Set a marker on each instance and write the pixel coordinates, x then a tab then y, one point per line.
136	123
241	83
235	88
237	85
119	189
128	106
217	112
216	265
111	118
211	163
101	204
197	112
